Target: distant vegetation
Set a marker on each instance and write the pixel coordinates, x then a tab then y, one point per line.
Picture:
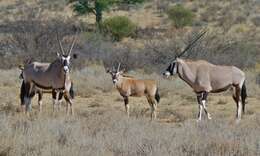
180	16
97	7
119	27
27	30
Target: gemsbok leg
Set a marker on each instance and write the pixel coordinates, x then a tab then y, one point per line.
59	102
126	105
68	99
153	104
22	96
202	99
237	99
199	98
154	108
29	93
58	97
40	100
55	98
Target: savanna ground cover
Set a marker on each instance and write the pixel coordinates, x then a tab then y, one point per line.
100	125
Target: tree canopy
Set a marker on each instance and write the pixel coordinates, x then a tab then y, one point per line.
97	7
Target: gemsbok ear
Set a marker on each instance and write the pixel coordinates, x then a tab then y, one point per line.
21	67
122	71
109	71
75	56
58	54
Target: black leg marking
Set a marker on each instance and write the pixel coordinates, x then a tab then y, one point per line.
126	105
22	93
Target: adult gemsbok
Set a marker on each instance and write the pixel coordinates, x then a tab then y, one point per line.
41	91
129	86
204	78
55	77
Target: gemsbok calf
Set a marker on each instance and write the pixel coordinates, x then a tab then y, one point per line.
56	77
204	78
129	86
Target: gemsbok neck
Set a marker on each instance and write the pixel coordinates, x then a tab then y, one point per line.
185	72
127	77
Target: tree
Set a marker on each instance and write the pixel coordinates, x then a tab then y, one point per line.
97	7
180	16
119	27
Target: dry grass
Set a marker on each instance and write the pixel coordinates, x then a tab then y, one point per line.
111	133
92	80
100	126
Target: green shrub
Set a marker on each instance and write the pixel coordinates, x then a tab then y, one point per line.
180	16
119	27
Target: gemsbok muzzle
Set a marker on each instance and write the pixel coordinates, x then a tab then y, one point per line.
66	63
171	70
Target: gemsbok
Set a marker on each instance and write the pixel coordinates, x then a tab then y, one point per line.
56	77
204	78
129	86
40	93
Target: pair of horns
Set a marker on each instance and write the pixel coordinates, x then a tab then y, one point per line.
61	48
118	67
191	45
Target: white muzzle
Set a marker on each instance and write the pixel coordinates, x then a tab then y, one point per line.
167	74
114	81
66	69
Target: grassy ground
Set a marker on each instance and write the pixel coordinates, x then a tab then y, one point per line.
100	126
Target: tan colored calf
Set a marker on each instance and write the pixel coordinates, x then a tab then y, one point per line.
129	86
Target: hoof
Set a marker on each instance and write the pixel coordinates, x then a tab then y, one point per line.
238	121
198	120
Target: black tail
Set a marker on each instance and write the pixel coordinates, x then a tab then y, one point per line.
72	93
243	96
25	93
22	93
157	96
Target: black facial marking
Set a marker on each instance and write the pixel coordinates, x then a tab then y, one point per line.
173	66
65	62
170	68
114	76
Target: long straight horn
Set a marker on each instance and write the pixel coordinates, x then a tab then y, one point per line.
61	48
192	43
118	67
72	45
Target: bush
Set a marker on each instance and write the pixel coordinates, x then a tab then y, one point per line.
180	16
119	27
256	21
